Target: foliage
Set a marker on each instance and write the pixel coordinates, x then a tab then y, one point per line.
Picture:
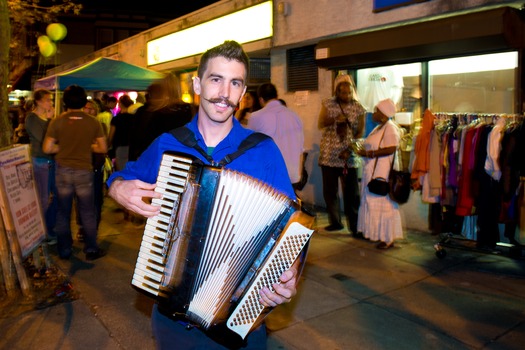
26	18
19	24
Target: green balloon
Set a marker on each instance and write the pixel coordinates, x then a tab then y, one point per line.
48	49
56	31
42	40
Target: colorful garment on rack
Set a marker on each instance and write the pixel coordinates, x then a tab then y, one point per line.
465	202
421	162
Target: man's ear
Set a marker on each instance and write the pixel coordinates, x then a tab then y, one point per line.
242	95
197	85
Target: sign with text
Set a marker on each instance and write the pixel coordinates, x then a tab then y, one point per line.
383	5
21	210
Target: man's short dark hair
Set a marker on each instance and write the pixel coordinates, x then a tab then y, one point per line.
75	97
230	50
267	91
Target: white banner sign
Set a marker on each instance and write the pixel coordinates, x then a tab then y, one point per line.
20	207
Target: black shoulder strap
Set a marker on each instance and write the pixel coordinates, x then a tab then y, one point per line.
249	142
187	138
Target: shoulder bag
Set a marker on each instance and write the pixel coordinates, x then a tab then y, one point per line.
378	185
399	181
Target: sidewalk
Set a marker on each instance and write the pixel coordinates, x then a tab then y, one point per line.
352	296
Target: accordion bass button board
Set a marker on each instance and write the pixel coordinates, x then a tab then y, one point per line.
249	312
220	237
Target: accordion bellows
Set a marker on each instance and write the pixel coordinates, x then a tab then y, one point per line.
221	237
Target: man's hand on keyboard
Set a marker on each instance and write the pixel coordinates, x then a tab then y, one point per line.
283	291
130	194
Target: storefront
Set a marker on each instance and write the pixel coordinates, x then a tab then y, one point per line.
419	50
416	61
462	68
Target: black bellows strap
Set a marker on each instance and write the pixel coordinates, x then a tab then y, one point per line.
187	138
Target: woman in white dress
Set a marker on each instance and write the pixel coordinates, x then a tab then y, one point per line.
379	218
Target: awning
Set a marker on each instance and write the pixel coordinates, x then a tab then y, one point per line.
493	30
103	74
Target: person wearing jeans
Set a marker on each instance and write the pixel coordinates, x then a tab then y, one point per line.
36	124
73	137
76	183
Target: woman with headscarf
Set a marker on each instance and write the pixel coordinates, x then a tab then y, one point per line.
379	216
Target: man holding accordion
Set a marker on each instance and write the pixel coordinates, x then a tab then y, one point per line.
216	134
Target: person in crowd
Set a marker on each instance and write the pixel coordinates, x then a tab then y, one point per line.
139	102
220	83
283	125
20	134
341	120
119	139
92	108
119	132
107	104
20	112
73	137
379	217
36	124
249	104
163	111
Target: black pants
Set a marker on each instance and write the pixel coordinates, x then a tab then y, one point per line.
351	197
488	210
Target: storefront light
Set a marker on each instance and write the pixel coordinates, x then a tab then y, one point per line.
186	97
250	24
472	64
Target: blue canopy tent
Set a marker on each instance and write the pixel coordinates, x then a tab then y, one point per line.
102	74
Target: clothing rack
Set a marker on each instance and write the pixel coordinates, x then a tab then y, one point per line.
468	118
469	225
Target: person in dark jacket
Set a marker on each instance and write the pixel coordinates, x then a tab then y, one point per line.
163	111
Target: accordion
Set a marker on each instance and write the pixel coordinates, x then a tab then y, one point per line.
220	237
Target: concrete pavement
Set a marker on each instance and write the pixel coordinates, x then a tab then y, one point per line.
352	296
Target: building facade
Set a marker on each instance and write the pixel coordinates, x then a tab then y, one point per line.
407	43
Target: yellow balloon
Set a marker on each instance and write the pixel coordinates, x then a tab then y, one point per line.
56	31
48	49
42	40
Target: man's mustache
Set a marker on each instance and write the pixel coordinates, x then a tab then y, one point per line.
221	100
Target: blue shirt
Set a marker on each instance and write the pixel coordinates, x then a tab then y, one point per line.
263	162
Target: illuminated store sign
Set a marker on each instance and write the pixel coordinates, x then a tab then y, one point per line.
250	24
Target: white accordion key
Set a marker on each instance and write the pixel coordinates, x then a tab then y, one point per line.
282	257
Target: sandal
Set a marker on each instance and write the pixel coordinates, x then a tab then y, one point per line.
383	245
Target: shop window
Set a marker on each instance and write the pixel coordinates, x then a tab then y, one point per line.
302	72
401	83
474	84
